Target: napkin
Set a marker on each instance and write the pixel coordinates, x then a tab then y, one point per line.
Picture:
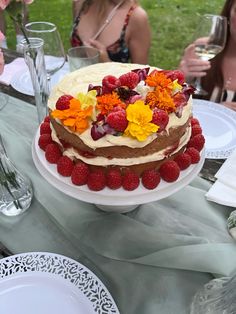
223	191
11	69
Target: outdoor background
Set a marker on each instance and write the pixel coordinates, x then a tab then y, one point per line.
172	23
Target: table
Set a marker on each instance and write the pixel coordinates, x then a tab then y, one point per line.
152	259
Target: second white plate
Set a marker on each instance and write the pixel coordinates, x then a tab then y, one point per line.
219	128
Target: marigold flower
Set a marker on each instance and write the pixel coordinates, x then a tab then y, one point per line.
139	116
161	99
159	79
75	117
107	102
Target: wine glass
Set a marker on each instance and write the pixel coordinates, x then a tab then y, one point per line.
54	53
209	39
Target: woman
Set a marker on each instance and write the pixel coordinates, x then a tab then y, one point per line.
219	74
118	28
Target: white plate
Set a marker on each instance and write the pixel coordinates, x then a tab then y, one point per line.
219	128
22	80
118	200
37	282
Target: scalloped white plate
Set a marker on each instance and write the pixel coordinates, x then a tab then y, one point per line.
219	128
38	282
118	200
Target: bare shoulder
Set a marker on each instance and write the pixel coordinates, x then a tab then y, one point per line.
139	15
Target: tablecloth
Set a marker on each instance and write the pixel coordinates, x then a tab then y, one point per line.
152	259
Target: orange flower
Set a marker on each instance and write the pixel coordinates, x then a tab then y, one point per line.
107	102
161	99
74	118
158	79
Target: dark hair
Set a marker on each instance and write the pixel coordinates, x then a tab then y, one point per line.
214	76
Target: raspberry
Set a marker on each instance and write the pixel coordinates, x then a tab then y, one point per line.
197	142
109	83
150	179
63	102
130	79
96	180
160	118
117	120
169	171
130	181
65	166
194	121
113	179
175	75
196	129
194	154
183	160
44	140
45	128
80	173
46	119
52	153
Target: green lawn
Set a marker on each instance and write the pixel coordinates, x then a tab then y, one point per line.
172	23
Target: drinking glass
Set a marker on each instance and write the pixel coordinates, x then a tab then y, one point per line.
209	39
79	57
53	48
216	297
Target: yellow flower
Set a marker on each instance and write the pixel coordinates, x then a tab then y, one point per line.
139	116
88	100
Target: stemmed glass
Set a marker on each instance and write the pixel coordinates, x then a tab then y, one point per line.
54	53
209	39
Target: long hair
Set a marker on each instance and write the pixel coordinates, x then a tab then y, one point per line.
214	75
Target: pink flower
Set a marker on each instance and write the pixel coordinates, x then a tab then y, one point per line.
4	4
1	36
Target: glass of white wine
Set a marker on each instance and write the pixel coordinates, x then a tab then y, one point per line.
209	39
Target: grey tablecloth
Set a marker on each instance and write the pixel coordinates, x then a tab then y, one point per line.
152	259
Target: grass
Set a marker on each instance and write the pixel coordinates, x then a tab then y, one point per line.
172	23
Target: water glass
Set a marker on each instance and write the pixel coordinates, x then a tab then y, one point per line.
15	188
79	57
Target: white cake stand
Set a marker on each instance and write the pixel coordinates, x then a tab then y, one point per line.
119	200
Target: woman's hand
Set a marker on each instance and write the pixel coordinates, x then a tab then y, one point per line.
191	65
102	49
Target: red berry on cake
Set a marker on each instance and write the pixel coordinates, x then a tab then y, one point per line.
169	171
65	166
160	118
194	121
194	154
117	120
46	119
96	180
197	142
44	140
63	102
109	83
196	129
130	181
80	172
53	153
45	128
113	179
183	160
130	80
150	179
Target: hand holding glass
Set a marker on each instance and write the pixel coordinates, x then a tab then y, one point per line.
209	39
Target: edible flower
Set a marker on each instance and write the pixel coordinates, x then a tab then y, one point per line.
87	100
161	98
139	116
75	118
107	102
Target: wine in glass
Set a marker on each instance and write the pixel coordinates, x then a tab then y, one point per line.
209	40
54	53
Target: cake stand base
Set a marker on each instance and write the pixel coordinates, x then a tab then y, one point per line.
117	209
